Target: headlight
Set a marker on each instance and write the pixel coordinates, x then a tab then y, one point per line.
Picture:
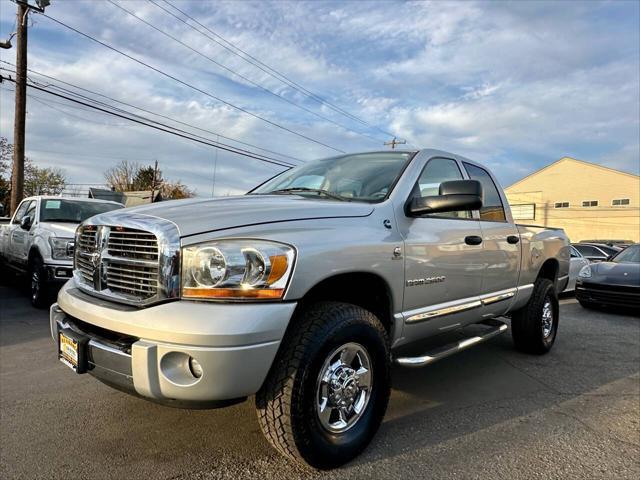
236	269
61	248
585	272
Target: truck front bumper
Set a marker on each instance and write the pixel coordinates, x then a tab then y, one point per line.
150	352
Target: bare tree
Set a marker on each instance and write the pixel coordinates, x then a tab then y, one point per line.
122	177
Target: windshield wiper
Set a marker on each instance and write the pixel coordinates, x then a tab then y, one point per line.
312	190
61	220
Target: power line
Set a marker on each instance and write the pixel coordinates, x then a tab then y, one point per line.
70	92
234	49
245	78
165	128
193	87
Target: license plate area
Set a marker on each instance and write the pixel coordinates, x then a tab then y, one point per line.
72	350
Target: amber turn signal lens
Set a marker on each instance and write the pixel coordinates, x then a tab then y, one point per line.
189	292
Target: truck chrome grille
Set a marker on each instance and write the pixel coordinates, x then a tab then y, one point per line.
126	264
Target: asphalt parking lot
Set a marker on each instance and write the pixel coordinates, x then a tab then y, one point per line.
489	412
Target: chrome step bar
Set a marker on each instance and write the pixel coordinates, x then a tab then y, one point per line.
496	327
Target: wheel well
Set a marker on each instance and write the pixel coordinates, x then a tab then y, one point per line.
33	253
549	270
367	290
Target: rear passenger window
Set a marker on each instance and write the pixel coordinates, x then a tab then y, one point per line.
492	209
436	171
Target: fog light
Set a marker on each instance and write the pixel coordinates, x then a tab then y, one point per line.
195	367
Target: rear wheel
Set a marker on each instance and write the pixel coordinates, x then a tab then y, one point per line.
39	288
328	389
535	326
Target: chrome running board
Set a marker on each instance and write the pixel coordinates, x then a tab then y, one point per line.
496	327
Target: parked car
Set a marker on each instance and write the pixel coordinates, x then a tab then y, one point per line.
304	290
575	266
39	240
596	252
614	283
611	243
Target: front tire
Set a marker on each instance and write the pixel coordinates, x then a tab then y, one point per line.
535	326
39	289
328	389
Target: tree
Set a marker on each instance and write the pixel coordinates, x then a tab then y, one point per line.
42	181
37	180
175	191
6	156
131	176
122	177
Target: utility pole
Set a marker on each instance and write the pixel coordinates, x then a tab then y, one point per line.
395	142
153	181
17	177
20	112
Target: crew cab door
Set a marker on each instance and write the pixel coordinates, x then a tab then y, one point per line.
18	237
443	274
501	245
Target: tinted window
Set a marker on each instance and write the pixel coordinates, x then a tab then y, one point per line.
492	208
575	253
589	251
73	211
22	209
436	171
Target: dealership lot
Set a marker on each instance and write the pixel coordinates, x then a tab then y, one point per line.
489	412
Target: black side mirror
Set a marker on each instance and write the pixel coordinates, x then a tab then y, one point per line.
25	223
454	196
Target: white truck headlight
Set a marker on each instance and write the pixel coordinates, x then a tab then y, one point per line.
61	248
585	272
236	269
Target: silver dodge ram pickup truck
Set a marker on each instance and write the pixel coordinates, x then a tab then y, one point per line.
306	290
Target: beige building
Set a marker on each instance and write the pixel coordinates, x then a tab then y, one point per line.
589	201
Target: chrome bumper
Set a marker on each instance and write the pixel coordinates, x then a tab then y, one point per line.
234	345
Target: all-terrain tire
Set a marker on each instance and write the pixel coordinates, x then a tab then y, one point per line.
532	331
287	402
39	290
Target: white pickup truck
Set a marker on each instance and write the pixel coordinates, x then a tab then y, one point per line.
38	240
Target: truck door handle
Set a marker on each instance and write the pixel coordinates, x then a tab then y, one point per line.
513	239
473	240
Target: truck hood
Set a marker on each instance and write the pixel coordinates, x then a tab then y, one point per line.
196	216
59	229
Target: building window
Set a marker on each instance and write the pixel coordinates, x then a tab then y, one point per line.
590	203
562	205
620	201
524	211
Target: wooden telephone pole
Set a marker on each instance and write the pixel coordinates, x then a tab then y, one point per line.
17	177
395	142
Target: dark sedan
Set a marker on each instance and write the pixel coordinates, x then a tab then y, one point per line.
613	283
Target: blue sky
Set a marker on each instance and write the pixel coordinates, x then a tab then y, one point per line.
515	85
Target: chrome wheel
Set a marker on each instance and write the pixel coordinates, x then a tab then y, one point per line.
344	387
35	284
547	318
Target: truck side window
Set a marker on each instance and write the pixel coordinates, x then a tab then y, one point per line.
492	209
436	171
22	209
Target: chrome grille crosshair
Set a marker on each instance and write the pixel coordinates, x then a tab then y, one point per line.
134	261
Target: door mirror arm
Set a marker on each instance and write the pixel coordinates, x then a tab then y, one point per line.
25	223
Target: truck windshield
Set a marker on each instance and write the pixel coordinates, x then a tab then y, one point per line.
364	177
73	211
